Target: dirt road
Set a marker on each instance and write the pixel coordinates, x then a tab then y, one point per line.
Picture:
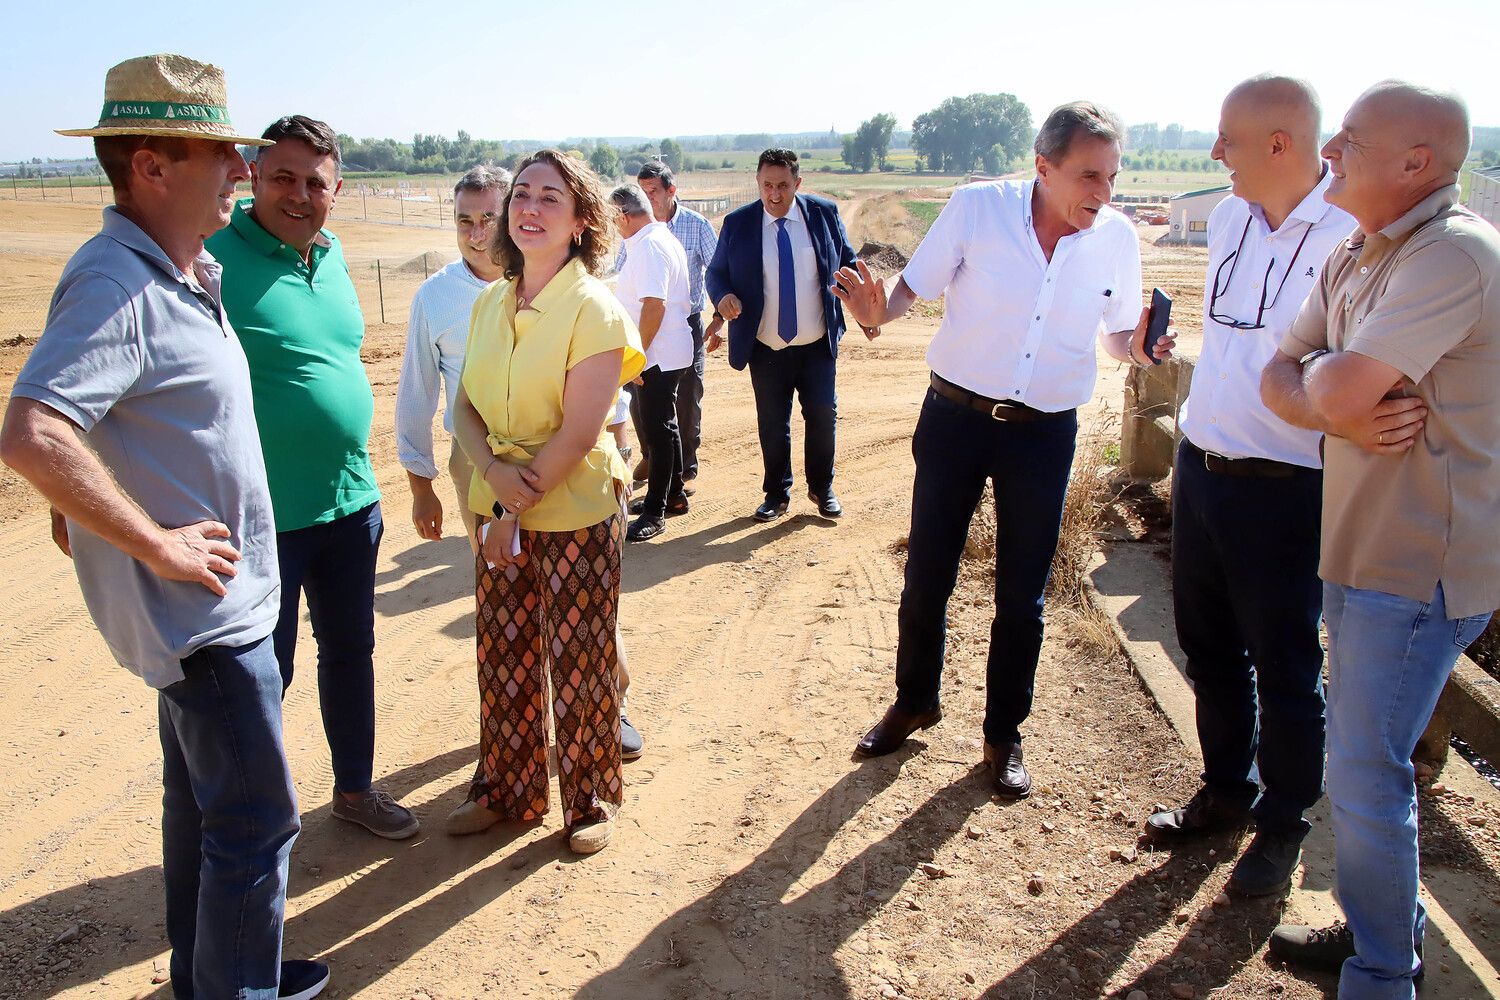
755	858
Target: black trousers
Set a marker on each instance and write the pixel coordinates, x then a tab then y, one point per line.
1247	597
664	445
689	406
958	451
775	376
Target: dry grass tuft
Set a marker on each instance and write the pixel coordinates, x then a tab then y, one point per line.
1090	492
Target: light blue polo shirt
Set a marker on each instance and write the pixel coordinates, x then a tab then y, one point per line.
142	358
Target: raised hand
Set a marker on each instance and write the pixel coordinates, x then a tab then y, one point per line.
862	294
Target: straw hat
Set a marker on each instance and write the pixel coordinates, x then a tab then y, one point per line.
166	95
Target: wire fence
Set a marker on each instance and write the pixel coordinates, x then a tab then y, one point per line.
385	283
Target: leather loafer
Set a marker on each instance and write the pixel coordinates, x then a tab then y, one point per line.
769	511
828	506
1011	779
892	730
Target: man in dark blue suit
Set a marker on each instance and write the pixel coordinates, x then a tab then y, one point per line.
771	278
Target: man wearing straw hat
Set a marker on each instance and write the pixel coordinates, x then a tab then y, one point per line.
133	416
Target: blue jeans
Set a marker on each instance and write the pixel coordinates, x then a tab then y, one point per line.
808	371
335	564
1388	658
957	451
1247	598
229	816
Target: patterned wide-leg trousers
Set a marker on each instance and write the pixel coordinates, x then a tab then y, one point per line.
553	609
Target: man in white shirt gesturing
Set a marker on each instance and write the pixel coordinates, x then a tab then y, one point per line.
1035	273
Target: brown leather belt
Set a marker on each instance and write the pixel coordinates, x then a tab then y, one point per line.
1008	410
1256	468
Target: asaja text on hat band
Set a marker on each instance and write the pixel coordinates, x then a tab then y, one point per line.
166	110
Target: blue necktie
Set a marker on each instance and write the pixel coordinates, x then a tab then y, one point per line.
786	285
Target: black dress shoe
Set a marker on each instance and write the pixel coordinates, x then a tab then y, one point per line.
1267	865
1011	779
769	511
1205	814
644	528
828	506
892	730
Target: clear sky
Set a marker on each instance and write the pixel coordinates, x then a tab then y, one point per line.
589	68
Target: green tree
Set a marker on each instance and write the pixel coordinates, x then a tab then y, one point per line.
868	147
605	161
671	154
956	134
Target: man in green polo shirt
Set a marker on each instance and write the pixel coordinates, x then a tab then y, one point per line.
289	296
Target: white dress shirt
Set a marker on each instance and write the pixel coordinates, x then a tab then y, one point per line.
656	268
436	338
811	327
1223	412
1016	325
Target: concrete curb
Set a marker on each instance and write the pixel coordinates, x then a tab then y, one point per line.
1132	586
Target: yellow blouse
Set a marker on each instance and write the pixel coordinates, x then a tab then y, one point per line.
514	370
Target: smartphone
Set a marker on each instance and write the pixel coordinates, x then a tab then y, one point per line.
1156	324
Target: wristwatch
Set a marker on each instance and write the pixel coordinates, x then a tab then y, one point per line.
1312	356
501	513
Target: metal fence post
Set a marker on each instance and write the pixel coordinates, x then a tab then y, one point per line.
362	206
42	183
402	202
380	288
425	273
70	187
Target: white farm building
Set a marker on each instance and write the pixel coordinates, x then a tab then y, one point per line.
1188	214
1484	193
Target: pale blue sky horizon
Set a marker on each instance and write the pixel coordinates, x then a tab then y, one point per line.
388	70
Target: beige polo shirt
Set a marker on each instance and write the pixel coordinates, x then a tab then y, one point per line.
1422	295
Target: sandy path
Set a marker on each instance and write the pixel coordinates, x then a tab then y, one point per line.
755	858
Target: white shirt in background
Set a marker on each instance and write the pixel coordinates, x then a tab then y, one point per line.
1223	412
436	338
656	268
1015	325
811	327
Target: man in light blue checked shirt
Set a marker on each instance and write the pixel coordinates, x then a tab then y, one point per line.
697	237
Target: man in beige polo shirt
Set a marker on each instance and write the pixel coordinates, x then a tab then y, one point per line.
1395	357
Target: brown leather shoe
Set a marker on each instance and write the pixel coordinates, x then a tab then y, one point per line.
891	731
1011	779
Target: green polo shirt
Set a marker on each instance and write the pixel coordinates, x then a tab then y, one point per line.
301	327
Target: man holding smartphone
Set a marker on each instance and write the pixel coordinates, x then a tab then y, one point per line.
1246	492
1035	273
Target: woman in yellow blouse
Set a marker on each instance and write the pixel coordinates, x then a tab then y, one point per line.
549	346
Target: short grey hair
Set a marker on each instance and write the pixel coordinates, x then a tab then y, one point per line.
1066	124
485	177
630	199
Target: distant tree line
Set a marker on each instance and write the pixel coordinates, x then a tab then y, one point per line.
1150	159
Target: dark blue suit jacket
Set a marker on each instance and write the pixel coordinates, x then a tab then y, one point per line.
737	268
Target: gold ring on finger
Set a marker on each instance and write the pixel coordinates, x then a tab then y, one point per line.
1380	438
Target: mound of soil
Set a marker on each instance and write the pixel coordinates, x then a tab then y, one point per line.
882	256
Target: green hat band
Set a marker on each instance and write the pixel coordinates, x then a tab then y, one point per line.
166	111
